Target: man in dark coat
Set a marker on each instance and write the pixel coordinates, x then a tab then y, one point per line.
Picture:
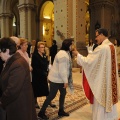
1	64
2	112
17	95
53	51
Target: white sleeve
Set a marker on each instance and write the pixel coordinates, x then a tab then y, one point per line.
63	69
79	59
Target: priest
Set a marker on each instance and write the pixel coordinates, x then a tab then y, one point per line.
100	77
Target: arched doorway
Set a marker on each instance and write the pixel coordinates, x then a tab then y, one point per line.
47	22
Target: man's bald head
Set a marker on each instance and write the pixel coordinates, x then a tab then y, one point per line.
16	39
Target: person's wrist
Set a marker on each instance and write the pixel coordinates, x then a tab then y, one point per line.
77	53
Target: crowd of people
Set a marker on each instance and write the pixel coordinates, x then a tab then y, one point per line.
25	74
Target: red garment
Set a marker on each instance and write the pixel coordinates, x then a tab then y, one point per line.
87	89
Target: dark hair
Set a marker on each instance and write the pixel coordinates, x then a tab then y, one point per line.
118	42
102	31
66	44
90	42
54	41
7	43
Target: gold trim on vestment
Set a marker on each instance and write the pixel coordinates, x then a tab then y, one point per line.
113	76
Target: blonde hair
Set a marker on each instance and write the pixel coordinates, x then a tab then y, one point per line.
23	40
33	42
40	43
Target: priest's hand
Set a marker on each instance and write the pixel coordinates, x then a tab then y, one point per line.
75	52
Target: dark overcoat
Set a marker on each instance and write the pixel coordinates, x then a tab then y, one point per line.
17	94
1	64
53	52
39	75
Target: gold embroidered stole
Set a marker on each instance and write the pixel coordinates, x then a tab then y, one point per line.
113	76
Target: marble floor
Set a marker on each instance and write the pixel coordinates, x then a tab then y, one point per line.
85	112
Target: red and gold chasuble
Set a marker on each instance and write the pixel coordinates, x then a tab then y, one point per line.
87	89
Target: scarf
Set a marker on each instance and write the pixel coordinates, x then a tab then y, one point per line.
70	80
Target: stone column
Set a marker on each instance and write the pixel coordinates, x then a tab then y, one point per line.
6	24
31	23
101	12
60	21
79	11
92	23
69	21
27	21
23	21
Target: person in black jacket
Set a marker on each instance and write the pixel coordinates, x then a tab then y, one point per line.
1	64
2	112
53	51
95	45
39	73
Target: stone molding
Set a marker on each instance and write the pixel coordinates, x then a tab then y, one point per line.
6	15
98	4
26	7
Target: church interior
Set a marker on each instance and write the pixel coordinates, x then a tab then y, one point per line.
48	20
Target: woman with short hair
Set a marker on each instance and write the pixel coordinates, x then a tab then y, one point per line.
40	72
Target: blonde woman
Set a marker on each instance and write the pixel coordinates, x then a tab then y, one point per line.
39	73
23	51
